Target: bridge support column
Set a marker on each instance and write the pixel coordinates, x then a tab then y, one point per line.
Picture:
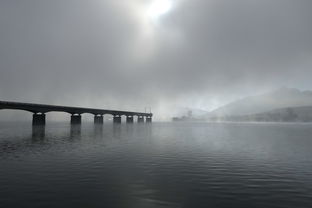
39	119
129	119
98	119
148	119
75	119
140	119
117	119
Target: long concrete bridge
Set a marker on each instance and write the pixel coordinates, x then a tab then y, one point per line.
39	113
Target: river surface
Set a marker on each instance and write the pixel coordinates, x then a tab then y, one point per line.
194	165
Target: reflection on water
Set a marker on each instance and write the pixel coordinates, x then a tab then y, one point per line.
38	132
157	165
98	130
75	131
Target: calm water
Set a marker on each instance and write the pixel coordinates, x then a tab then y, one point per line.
158	165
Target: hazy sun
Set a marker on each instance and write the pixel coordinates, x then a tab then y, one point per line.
158	8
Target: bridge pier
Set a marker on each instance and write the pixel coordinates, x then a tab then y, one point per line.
140	119
75	119
129	119
39	119
117	119
98	119
148	119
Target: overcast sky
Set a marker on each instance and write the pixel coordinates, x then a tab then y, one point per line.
129	54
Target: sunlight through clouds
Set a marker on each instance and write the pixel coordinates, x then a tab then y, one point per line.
153	32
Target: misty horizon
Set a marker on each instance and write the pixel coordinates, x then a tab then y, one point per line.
108	54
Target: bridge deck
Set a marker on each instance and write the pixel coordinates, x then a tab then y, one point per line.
42	108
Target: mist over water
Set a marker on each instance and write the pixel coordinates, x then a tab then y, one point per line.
158	165
183	60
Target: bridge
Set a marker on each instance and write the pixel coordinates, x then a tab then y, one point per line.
39	113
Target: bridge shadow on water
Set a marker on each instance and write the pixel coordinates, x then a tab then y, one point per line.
20	138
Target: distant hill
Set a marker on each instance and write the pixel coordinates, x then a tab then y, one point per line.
276	100
289	114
